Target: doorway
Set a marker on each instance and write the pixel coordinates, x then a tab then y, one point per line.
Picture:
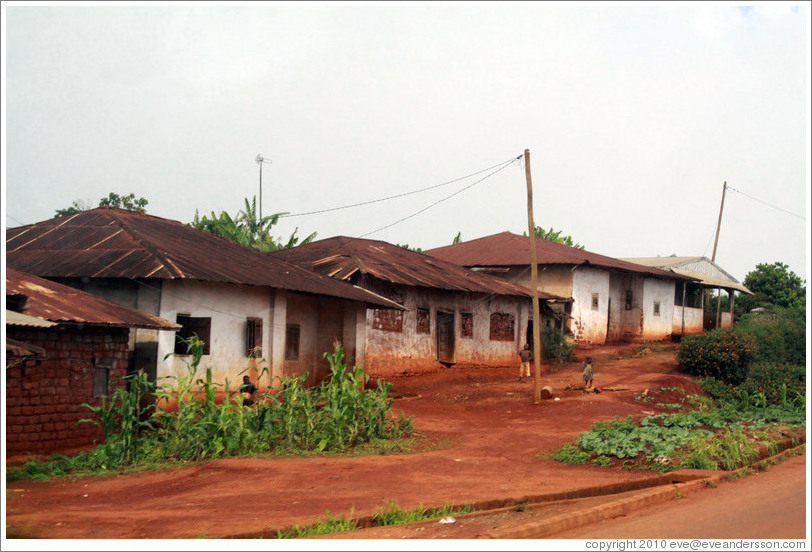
445	337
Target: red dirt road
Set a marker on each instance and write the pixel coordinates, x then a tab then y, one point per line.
493	445
769	504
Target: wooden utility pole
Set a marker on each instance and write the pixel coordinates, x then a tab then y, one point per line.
713	258
719	223
534	284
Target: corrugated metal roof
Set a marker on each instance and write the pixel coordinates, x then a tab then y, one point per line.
115	243
508	249
343	257
701	268
19	319
49	300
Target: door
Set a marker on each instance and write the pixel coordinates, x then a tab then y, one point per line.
445	337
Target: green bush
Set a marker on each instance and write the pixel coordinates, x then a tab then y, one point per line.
724	354
780	335
555	345
768	384
777	382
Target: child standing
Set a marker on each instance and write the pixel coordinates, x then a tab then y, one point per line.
525	355
588	373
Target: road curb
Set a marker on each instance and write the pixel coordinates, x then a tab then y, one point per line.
642	499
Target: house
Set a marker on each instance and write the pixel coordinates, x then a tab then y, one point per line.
690	298
452	314
256	314
611	300
64	347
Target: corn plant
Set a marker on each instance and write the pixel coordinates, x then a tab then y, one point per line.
123	419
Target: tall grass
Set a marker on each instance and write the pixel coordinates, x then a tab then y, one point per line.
336	415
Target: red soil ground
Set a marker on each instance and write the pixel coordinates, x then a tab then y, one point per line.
490	442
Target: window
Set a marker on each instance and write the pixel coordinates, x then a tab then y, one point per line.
595	297
101	376
656	308
466	324
502	326
292	333
628	299
199	326
253	337
423	320
388	320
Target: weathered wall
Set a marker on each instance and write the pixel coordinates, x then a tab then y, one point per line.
140	294
693	320
394	345
322	320
42	401
619	284
589	325
555	279
228	306
304	311
632	317
658	326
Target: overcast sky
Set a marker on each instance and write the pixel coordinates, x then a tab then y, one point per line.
634	117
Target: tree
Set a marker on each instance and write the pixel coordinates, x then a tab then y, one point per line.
406	246
124	202
457	239
774	284
128	202
247	229
555	236
76	207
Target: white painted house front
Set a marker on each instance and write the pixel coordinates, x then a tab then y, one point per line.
611	300
690	296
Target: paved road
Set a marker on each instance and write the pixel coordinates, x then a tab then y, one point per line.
771	504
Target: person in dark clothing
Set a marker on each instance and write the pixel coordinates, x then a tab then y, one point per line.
248	390
526	356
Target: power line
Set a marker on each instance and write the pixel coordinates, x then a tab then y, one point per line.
15	220
400	195
765	203
504	166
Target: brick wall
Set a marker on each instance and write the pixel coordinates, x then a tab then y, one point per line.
43	400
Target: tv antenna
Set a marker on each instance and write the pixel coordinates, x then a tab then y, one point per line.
260	160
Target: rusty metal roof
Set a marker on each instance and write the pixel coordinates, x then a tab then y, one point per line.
115	243
15	348
347	258
508	249
63	304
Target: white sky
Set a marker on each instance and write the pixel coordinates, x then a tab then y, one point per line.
635	115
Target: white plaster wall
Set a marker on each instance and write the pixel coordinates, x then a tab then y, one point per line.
658	327
618	284
303	310
632	319
228	306
693	320
587	325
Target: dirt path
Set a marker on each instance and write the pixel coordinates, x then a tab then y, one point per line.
494	446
